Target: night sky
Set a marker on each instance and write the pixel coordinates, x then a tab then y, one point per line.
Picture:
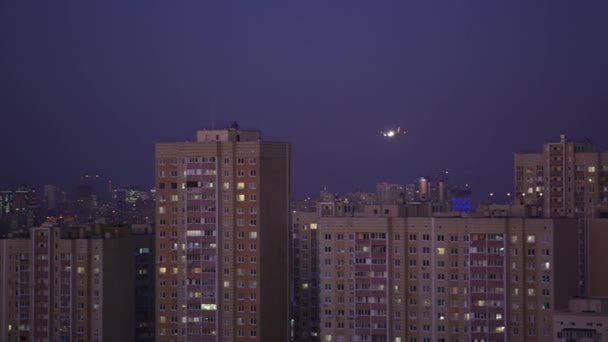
90	87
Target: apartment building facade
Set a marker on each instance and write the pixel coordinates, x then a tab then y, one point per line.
566	179
222	211
385	277
73	284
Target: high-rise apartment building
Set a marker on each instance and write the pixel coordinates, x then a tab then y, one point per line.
79	283
386	277
567	179
222	213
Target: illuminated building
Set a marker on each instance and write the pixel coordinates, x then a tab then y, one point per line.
132	205
222	212
567	179
460	199
383	276
80	283
19	209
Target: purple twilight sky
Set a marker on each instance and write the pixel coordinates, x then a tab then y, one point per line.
89	87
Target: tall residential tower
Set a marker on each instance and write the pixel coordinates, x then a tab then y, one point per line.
222	214
567	179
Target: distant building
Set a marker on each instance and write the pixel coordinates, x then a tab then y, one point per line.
390	193
460	199
20	209
423	189
566	179
80	283
307	204
55	200
86	204
132	205
222	208
585	320
410	192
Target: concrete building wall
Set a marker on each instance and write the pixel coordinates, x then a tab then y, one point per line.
597	238
564	265
118	305
275	171
222	214
60	285
396	278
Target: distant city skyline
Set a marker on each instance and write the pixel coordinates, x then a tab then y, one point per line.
497	194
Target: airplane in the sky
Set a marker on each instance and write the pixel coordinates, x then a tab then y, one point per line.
391	133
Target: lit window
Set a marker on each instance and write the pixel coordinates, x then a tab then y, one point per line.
531	239
226	185
240	198
591	169
313	226
440	251
208	307
240	185
162	270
